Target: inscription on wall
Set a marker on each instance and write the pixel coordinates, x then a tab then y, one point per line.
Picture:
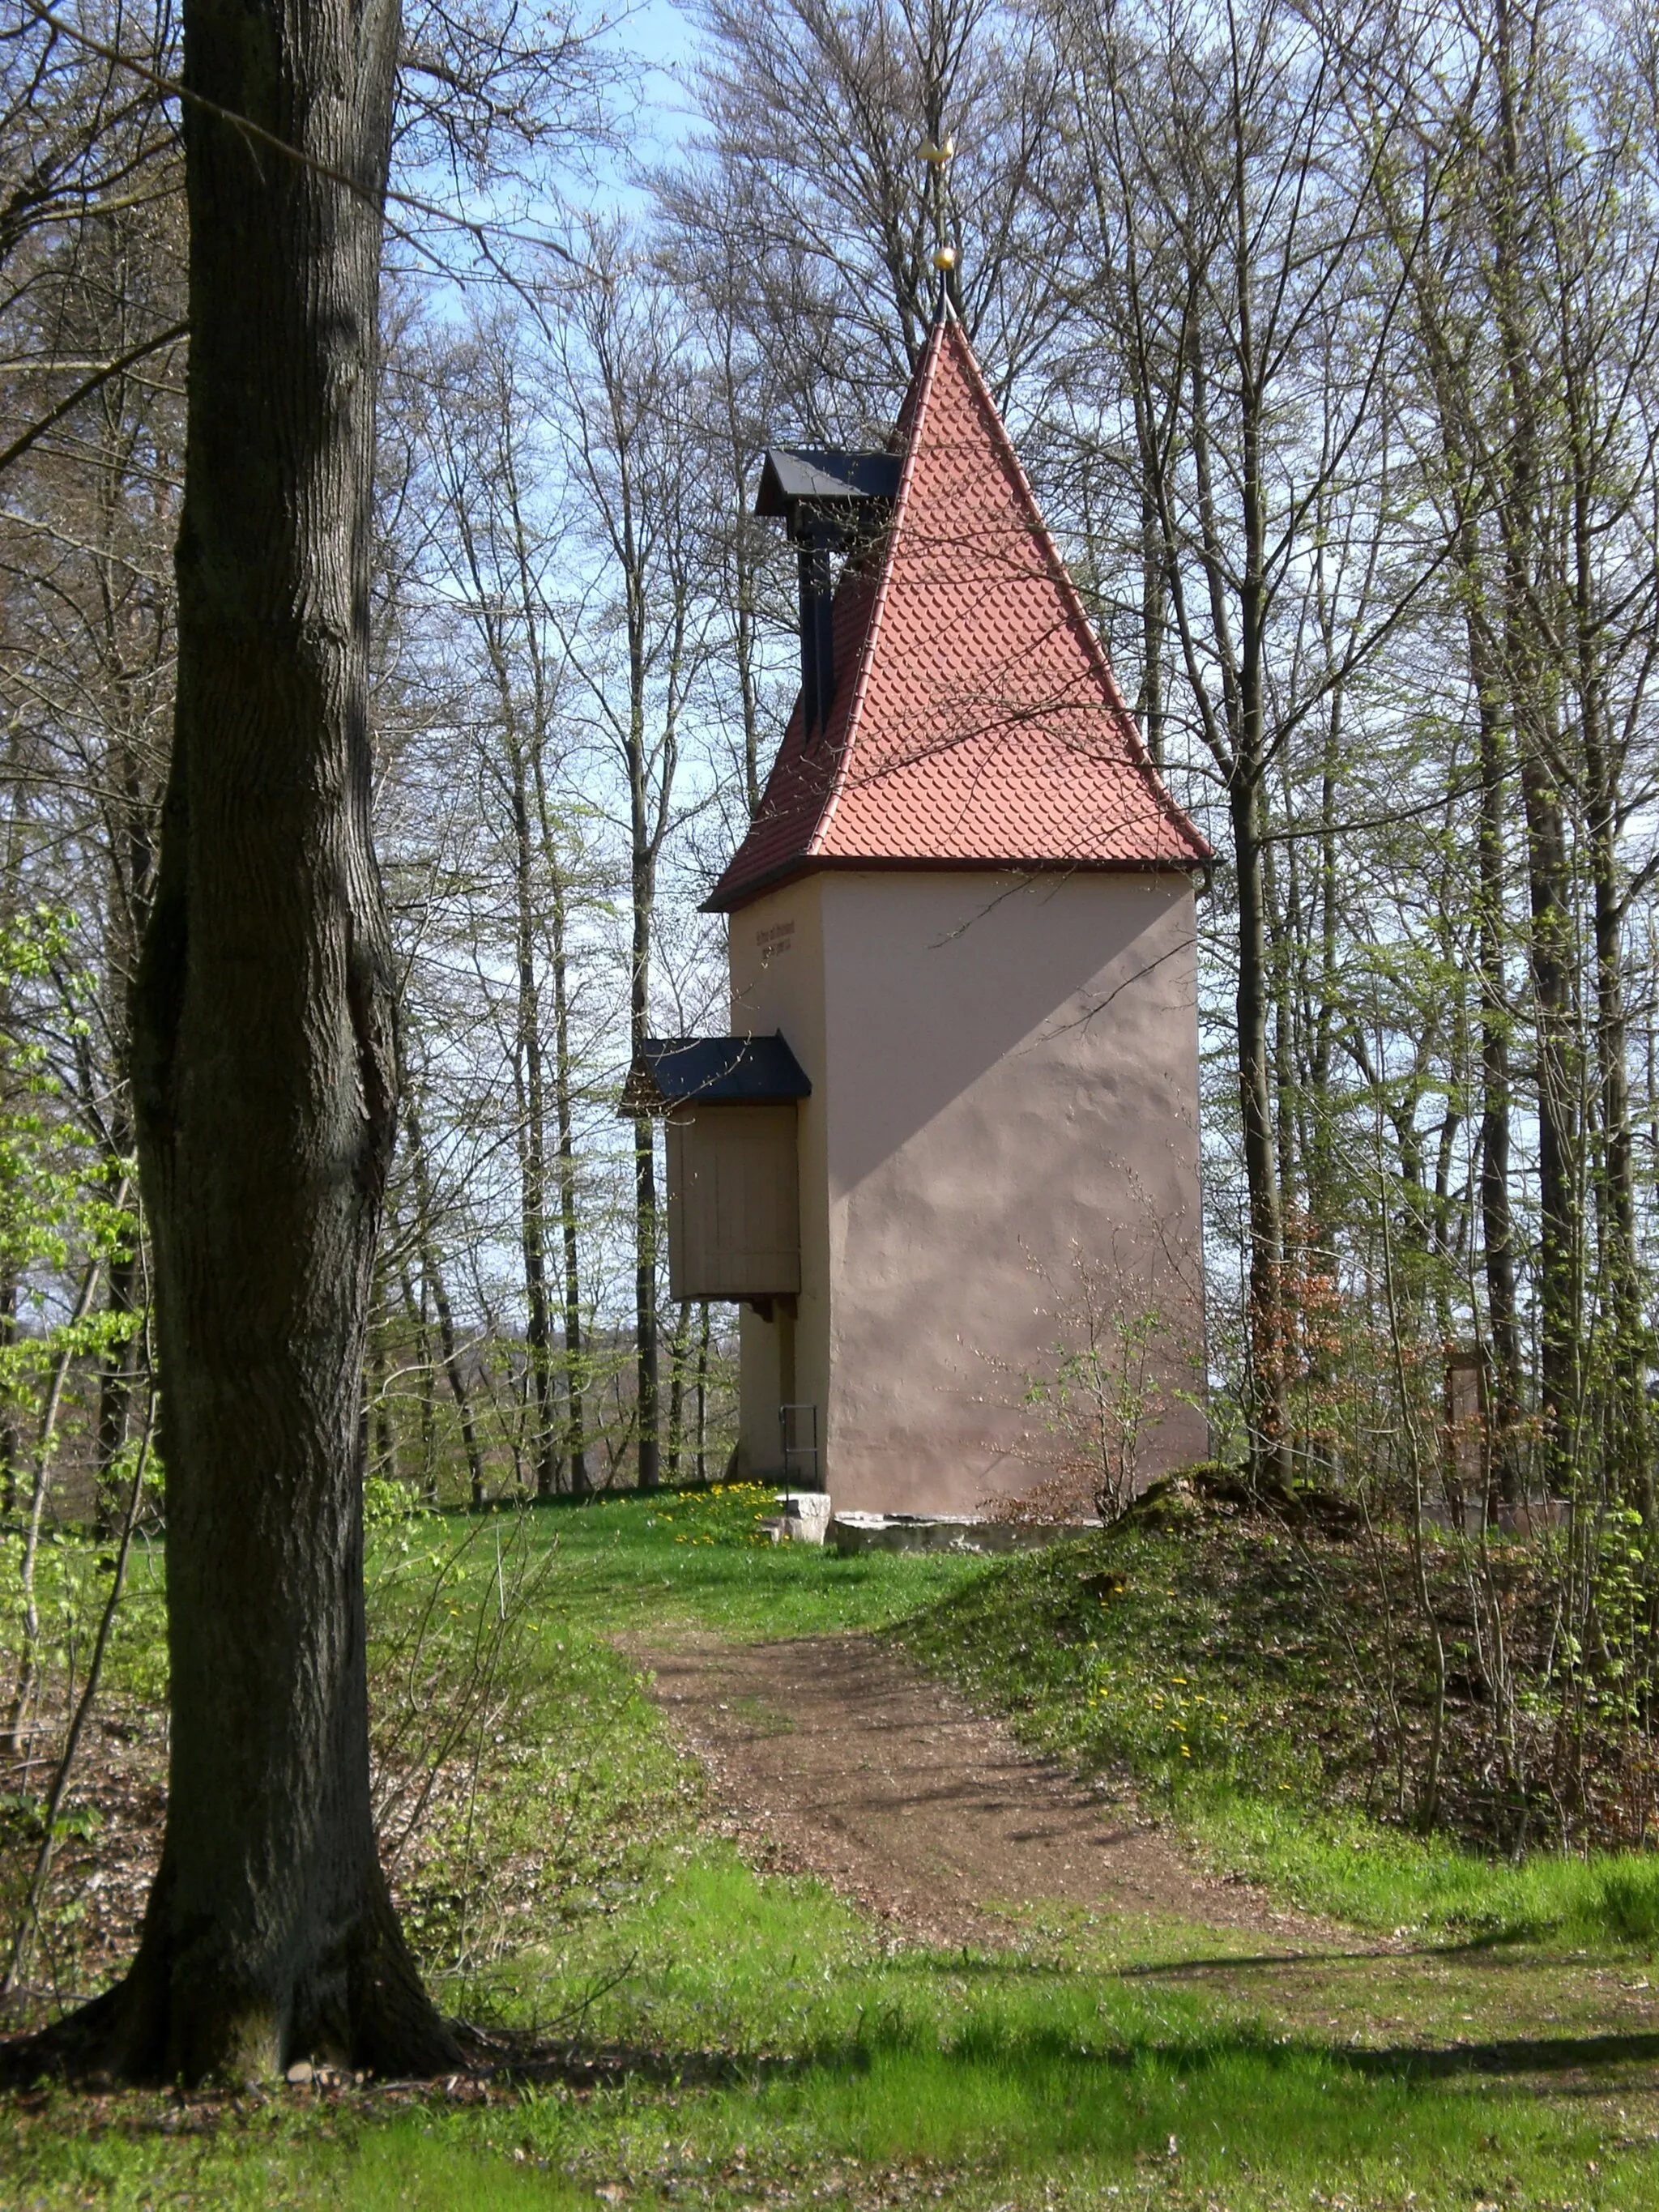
778	938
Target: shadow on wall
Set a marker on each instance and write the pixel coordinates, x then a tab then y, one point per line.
1022	977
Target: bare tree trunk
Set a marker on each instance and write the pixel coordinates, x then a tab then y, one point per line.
746	543
645	1185
1154	612
645	839
431	1278
266	1086
679	1347
1629	1465
1321	1150
1560	1256
481	441
134	800
1496	1221
532	1141
1550	937
118	1378
636	447
564	1087
1630	1472
1463	446
15	1736
11	1441
28	1919
1269	1442
415	1306
704	1332
1247	796
382	1458
644	1306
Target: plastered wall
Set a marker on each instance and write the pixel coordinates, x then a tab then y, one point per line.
777	954
1004	1077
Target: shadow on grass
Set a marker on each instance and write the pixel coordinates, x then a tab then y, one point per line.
1498	1949
1213	1965
1562	2054
1238	2109
1221	2108
501	2060
1038	2054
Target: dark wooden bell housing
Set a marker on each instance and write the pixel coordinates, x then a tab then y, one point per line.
731	1104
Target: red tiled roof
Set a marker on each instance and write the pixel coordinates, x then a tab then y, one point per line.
976	722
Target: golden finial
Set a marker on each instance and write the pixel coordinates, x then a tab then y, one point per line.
937	154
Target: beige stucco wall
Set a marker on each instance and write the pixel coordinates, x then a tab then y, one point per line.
1004	1075
776	953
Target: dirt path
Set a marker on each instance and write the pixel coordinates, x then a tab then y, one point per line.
855	1766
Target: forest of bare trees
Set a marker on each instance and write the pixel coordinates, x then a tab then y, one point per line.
1329	336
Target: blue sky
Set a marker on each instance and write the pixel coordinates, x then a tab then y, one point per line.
661	41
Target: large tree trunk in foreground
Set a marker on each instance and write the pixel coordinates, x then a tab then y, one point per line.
266	1086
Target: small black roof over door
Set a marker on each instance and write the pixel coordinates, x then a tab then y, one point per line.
723	1070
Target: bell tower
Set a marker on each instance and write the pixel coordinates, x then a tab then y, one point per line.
962	947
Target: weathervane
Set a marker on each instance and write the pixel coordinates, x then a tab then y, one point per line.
937	154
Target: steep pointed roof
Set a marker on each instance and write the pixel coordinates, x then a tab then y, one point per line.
976	722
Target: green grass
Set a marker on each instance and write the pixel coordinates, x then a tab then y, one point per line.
691	1559
1376	1876
796	2054
1208	1667
844	2073
1009	2070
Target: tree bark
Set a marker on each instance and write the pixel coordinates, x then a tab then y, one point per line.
1460	445
1560	1238
1628	1462
415	1304
532	1134
679	1347
431	1278
703	1333
575	1359
380	1457
117	1379
1496	1222
1269	1442
10	1435
1154	608
265	1086
1531	686
564	1095
1628	1465
647	1384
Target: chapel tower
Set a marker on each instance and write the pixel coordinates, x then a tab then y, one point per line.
962	1076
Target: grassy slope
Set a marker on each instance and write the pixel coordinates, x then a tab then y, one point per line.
691	1560
1212	1667
1090	2063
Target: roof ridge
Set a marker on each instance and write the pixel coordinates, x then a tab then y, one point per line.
921	384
